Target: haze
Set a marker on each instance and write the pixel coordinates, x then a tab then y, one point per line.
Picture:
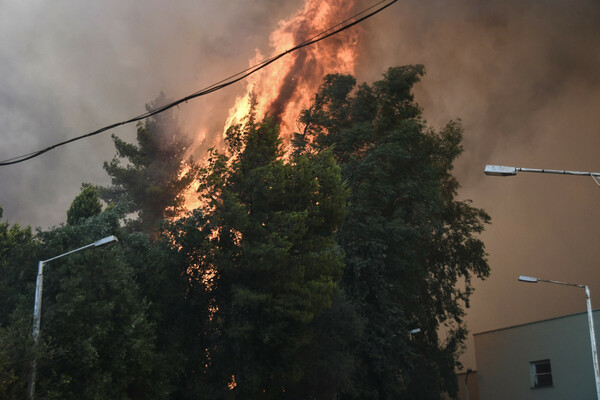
522	77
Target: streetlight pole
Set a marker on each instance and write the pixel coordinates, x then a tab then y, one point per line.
530	279
469	370
503	170
37	307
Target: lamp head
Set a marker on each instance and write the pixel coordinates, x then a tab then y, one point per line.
499	170
106	241
528	279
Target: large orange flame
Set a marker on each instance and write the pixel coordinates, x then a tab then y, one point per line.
283	89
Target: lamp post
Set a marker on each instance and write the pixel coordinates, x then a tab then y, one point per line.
503	170
469	370
530	279
37	308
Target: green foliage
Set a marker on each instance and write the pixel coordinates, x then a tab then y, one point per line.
16	346
94	319
156	173
106	313
176	308
16	245
85	205
299	277
17	260
115	322
265	246
411	247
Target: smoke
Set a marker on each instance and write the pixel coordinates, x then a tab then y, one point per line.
522	77
287	87
310	64
70	68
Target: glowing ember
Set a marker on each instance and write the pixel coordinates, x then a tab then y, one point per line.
190	195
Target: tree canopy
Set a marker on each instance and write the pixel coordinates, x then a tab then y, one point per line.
269	255
156	174
301	275
411	246
17	249
85	205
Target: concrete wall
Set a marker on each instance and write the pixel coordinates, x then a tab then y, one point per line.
503	358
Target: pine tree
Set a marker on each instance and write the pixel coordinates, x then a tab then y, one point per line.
265	246
85	205
156	175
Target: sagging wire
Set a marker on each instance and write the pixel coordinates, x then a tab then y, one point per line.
346	24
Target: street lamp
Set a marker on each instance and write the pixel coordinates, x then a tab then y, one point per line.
469	370
530	279
503	170
37	308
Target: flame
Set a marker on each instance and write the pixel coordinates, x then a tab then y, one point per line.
232	383
191	201
283	89
286	87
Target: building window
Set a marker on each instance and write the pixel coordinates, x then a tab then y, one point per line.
541	374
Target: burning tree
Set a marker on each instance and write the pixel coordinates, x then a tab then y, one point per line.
264	244
410	245
156	175
284	89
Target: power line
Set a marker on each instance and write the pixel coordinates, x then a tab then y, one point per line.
342	26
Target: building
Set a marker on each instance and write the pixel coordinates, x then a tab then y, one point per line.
550	359
468	388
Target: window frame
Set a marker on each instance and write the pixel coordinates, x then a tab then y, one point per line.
535	374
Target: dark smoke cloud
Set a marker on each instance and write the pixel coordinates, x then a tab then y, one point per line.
522	77
72	67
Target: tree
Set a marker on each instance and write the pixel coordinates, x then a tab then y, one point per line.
176	307
96	325
152	183
411	247
265	248
17	255
85	205
114	321
16	245
156	175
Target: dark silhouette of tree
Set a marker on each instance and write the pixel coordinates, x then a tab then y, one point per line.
265	245
156	174
85	205
411	247
17	265
98	322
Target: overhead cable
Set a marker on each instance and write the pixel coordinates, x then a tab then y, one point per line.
346	24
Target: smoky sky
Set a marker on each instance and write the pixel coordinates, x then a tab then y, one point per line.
522	76
71	68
